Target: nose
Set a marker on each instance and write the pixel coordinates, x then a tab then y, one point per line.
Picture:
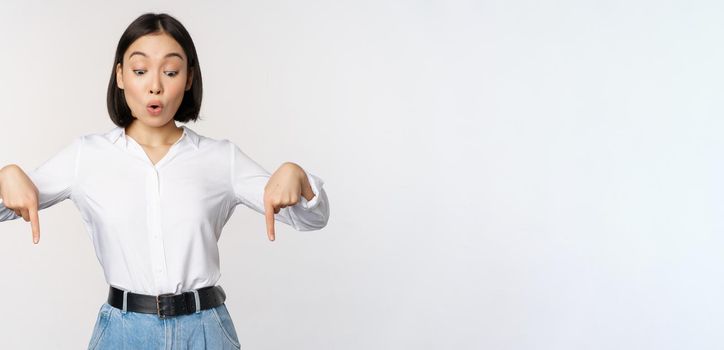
155	86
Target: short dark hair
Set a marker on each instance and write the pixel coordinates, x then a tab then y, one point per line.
150	23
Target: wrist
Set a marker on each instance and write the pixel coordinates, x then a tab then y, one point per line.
307	191
4	171
2	174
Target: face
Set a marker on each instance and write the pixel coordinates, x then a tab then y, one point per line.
154	72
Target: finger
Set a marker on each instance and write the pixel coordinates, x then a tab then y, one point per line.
269	213
35	223
25	214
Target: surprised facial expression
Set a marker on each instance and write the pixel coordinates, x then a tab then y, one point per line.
154	76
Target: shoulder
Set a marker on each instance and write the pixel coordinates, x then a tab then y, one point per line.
109	135
203	142
219	146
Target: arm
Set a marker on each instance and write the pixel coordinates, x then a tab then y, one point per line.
54	179
249	180
5	213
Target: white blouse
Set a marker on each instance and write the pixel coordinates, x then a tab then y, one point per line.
155	228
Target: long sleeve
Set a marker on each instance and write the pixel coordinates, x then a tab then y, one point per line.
54	179
248	182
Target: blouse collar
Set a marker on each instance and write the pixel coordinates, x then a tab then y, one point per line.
120	132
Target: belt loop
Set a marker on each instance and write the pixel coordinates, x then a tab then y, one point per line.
198	301
125	302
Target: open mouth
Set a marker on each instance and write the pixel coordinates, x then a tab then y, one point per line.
154	109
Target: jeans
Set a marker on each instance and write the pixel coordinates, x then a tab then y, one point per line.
206	329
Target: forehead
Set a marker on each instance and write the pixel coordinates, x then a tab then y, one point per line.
155	46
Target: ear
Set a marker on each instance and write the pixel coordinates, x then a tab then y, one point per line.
190	79
119	76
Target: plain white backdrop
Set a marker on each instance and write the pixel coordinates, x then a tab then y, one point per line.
501	174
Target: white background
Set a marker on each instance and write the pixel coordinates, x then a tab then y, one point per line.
501	174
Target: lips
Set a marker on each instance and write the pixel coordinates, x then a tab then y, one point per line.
154	104
154	107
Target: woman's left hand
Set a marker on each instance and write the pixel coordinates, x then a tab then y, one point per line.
283	189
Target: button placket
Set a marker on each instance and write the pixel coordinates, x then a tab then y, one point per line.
158	257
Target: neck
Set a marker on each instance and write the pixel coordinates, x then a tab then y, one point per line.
154	136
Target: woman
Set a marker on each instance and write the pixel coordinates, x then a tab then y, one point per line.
154	197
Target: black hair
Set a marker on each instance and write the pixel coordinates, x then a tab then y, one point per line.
150	23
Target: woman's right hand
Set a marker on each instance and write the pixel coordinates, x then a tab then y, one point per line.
19	194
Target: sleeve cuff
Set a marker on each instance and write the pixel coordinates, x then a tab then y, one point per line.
316	184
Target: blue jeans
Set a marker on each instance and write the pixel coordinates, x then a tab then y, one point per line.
206	329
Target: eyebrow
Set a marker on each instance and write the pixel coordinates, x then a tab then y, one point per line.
172	54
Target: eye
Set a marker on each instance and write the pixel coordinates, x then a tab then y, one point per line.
173	73
135	71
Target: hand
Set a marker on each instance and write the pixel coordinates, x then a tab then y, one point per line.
283	189
20	194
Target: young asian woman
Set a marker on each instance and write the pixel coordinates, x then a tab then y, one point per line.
155	196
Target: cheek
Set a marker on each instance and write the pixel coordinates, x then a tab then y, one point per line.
177	88
131	86
179	82
133	92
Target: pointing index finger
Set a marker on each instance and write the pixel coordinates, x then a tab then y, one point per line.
34	223
269	213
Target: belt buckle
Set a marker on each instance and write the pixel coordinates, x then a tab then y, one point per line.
158	304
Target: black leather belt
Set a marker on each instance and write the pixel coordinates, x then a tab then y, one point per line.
168	304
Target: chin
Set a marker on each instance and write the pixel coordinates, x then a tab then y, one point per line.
154	121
